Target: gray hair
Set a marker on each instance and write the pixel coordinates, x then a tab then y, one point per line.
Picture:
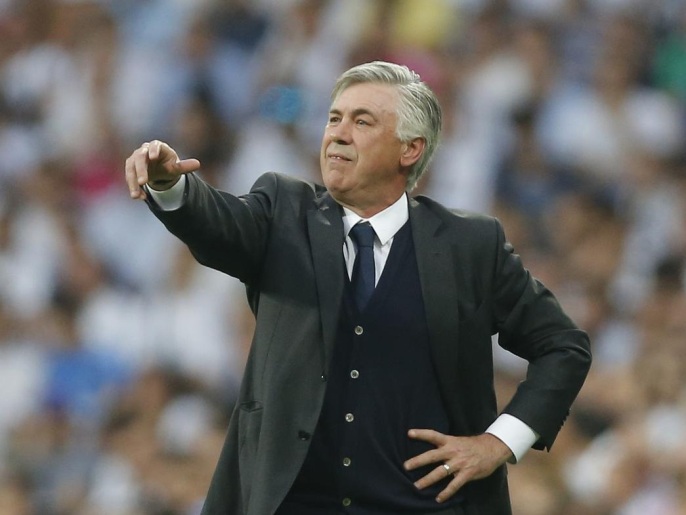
419	113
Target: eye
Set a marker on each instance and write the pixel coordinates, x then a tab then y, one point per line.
334	119
361	121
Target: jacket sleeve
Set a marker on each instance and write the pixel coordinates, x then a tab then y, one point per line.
532	325
223	231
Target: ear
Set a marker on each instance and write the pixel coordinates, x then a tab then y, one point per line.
412	151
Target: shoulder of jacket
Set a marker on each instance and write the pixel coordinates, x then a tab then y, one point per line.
453	215
288	183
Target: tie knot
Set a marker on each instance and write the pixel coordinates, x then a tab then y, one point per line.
363	234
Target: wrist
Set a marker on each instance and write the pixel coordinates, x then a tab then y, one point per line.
501	449
162	184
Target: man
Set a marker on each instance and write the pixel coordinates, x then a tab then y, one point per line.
369	386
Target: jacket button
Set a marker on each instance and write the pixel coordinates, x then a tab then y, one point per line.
304	435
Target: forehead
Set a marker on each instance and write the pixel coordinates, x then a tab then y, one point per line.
368	96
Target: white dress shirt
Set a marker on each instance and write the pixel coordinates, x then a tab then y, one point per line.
514	433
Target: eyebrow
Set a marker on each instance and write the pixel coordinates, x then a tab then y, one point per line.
356	112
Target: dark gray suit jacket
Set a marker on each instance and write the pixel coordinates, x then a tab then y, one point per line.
284	240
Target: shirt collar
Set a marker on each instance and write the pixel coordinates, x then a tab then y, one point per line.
385	223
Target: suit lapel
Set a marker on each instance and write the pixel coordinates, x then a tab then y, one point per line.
325	225
436	265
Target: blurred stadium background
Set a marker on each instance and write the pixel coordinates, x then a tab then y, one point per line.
120	356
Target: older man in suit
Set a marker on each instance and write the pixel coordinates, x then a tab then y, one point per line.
369	386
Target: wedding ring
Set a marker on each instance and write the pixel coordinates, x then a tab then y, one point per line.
447	469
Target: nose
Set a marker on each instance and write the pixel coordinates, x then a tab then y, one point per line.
340	133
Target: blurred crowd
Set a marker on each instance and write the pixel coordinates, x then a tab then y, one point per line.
120	356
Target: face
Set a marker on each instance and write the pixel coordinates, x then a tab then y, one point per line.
364	165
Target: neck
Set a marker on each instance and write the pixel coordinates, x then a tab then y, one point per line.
367	212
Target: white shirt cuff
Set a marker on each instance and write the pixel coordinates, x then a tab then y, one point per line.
171	199
514	433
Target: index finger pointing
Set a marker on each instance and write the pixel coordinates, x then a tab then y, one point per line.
187	165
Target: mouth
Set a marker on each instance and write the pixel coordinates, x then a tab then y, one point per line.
338	157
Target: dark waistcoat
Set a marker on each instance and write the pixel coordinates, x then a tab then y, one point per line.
381	383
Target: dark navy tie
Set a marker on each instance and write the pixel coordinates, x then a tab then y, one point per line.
363	277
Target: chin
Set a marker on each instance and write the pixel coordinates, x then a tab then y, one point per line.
334	180
336	189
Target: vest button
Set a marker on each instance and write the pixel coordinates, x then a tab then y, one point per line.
358	330
349	417
347	462
354	374
346	501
